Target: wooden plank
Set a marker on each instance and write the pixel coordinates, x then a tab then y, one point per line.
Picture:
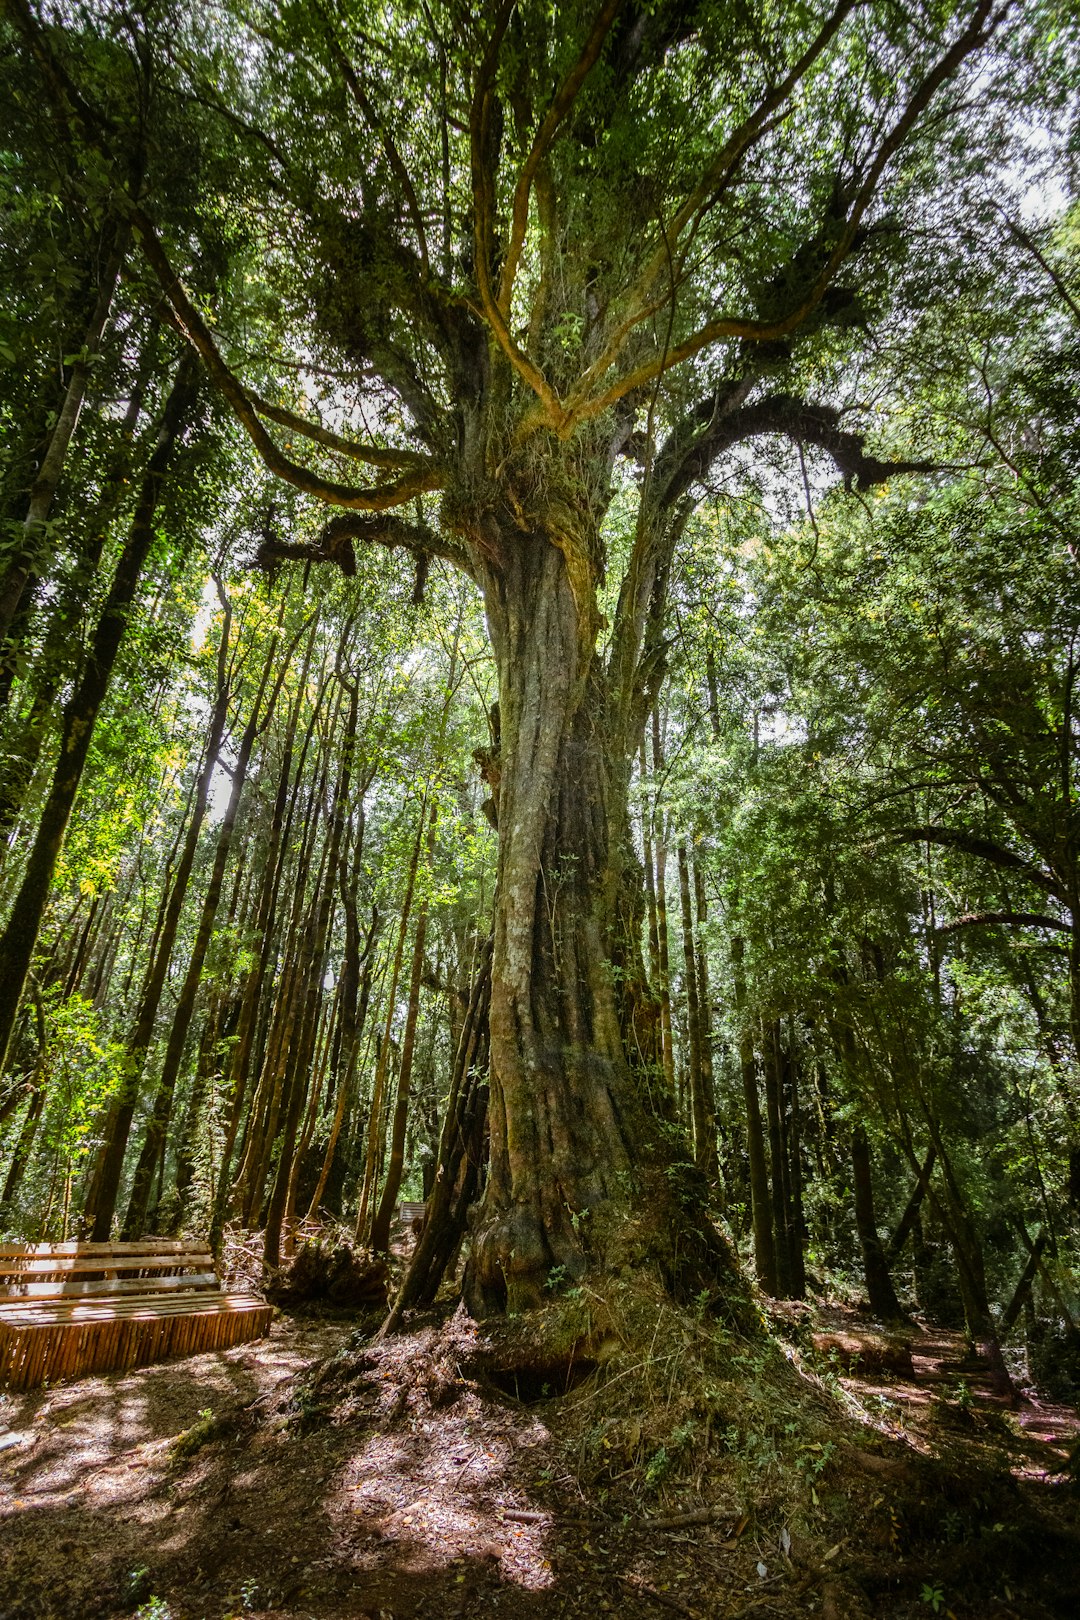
100	1310
15	1251
110	1287
105	1265
105	1270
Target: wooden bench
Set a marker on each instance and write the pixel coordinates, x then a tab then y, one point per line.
70	1309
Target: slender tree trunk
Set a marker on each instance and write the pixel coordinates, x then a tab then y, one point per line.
781	1190
906	1224
21	1156
313	972
1024	1282
971	1268
81	951
274	1092
339	812
793	1154
251	998
185	1004
356	969
380	1226
19	570
320	1068
50	664
760	1198
382	1062
80	715
879	1287
101	1197
693	1018
458	1165
707	1158
668	1046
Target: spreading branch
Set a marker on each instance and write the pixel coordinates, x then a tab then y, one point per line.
424	476
769	112
336	540
983	23
373	455
784	414
560	106
983	849
482	148
1007	919
371	117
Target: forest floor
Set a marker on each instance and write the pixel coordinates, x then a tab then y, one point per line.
316	1476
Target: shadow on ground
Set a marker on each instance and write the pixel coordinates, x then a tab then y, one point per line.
390	1483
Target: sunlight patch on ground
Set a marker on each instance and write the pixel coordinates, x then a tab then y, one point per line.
439	1498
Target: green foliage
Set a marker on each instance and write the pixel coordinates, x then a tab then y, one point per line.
155	1608
80	1068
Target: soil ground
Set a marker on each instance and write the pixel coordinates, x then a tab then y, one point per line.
399	1480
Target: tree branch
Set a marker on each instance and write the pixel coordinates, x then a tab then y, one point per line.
1010	919
713	182
371	454
560	106
423	477
756	331
359	95
783	414
982	848
484	225
335	542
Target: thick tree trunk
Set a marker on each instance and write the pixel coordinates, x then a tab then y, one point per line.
578	1167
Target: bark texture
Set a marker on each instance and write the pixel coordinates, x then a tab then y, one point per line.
580	1174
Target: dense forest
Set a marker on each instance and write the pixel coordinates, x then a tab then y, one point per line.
539	636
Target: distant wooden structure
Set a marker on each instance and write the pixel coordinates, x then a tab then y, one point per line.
407	1214
70	1309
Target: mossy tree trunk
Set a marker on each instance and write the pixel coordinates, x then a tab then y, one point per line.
582	1167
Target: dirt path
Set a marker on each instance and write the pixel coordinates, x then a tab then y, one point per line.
393	1486
951	1391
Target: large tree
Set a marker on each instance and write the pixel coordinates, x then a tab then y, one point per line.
515	260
